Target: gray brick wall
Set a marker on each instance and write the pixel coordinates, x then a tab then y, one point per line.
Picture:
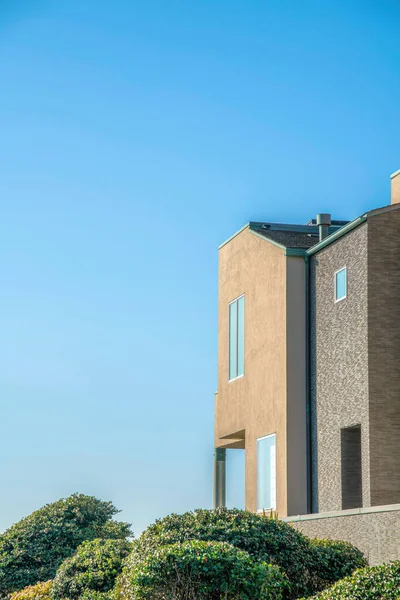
339	365
376	534
384	355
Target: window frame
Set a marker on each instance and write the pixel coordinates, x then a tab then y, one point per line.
272	508
235	300
335	284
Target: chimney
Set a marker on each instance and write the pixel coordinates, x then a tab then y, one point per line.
395	188
324	220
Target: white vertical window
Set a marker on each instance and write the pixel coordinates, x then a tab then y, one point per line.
266	472
341	284
236	338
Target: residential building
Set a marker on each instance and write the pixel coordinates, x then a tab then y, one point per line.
308	362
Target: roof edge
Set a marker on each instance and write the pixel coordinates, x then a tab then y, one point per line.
352	225
296	252
338	234
247	226
383	209
273	242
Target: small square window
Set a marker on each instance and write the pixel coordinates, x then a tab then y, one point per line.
340	284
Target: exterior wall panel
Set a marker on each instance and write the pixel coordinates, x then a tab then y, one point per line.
339	364
270	397
296	386
256	402
384	355
376	534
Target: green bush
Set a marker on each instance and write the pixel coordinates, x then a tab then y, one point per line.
40	591
268	540
91	570
196	570
93	595
33	549
334	560
370	583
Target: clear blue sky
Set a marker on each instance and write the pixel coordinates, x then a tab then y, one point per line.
134	138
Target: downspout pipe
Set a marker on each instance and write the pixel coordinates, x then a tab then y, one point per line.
308	389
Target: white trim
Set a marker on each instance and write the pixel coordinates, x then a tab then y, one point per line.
264	437
335	285
236	299
395	174
343	513
235	378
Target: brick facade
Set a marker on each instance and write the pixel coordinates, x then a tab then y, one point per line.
384	354
339	365
375	533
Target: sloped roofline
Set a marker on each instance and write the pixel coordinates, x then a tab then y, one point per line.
349	227
256	226
285	249
247	226
289	251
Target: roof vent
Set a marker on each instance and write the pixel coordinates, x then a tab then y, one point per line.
323	221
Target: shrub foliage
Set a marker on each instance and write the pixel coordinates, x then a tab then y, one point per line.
370	583
40	591
91	570
33	549
265	539
334	560
197	570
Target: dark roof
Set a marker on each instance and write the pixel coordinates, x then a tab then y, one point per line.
290	236
290	239
333	222
293	236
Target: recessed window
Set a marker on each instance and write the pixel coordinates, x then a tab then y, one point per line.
351	467
236	338
266	473
341	284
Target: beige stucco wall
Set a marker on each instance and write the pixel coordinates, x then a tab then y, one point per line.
395	188
257	402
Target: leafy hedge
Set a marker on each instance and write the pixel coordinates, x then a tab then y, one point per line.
40	591
197	570
334	560
93	595
370	583
91	570
78	539
265	539
34	548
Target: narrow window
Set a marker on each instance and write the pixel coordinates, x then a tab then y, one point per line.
236	338
341	284
266	472
351	467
